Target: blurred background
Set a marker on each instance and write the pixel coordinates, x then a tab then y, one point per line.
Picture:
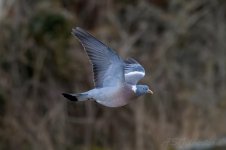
180	43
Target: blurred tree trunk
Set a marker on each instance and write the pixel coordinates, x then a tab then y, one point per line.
139	122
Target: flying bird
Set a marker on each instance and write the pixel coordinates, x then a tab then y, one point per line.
115	79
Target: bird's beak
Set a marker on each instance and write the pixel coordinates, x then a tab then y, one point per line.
150	91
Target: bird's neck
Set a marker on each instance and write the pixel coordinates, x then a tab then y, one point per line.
134	88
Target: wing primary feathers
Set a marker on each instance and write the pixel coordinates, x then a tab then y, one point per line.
107	64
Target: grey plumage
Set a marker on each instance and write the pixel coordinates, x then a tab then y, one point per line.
133	71
115	79
107	65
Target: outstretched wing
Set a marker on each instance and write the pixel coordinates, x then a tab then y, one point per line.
107	65
133	71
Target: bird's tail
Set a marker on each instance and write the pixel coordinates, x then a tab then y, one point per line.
76	97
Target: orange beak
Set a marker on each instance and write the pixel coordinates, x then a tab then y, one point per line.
150	91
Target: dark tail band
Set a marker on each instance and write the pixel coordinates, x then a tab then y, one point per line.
70	97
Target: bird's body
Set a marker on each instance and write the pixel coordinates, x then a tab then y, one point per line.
107	96
120	96
115	79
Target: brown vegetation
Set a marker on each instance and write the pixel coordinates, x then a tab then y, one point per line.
181	44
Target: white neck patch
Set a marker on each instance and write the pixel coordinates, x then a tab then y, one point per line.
134	88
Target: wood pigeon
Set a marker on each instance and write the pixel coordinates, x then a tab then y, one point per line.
115	79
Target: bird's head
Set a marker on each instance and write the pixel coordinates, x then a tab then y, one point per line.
141	89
